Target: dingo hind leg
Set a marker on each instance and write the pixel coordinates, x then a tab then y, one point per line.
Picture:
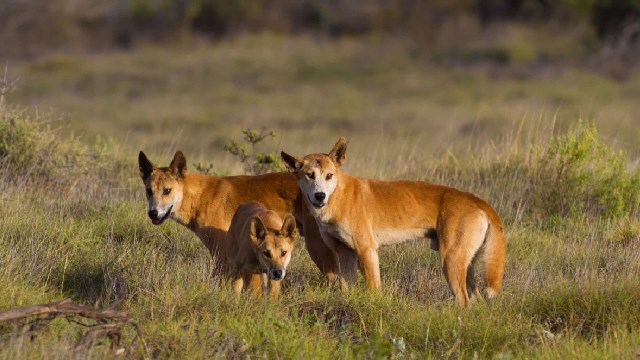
460	241
456	273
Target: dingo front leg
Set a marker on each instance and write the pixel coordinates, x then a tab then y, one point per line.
369	260
345	257
255	284
318	250
238	283
367	251
275	288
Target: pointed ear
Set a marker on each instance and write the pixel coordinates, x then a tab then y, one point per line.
339	152
258	232
293	163
146	167
289	228
178	165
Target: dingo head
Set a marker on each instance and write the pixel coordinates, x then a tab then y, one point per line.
316	173
274	247
163	186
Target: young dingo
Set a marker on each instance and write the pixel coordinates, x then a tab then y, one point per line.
356	214
258	242
206	204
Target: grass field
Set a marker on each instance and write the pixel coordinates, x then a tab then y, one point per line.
73	223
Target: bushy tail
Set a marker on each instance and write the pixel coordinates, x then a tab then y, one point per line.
494	256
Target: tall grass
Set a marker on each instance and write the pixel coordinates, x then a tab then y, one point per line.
377	90
572	278
571	173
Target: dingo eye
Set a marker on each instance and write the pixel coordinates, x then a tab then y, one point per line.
267	254
149	192
329	176
311	175
284	252
166	191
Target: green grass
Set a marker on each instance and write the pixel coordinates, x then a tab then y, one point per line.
572	275
560	294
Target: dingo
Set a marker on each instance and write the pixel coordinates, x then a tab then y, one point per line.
258	242
206	204
364	214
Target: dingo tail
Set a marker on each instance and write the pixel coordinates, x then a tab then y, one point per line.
494	256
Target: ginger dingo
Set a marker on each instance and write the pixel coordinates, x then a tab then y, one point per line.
356	214
206	204
259	242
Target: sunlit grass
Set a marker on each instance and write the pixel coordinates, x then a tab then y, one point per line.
572	276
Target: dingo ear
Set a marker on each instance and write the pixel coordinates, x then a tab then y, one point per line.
258	232
146	167
178	165
289	228
293	163
339	152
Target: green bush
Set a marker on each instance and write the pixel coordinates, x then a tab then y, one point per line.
31	152
24	142
578	173
18	140
572	174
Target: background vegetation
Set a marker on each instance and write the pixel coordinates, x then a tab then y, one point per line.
529	107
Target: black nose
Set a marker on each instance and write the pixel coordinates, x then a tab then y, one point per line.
153	214
277	274
320	196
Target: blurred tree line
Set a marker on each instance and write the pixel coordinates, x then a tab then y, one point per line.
27	27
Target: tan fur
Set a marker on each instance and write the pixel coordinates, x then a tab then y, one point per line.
362	214
259	242
206	204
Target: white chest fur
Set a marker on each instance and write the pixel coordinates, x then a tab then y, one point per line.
337	231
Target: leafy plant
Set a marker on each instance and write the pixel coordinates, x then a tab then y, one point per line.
577	172
255	162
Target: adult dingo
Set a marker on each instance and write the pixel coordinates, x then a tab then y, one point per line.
356	214
206	204
259	242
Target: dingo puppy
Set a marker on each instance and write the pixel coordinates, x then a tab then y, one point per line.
206	204
258	242
356	214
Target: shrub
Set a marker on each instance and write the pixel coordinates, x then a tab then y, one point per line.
568	174
578	173
32	153
25	143
255	162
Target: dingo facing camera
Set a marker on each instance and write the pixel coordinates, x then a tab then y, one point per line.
356	216
259	242
206	204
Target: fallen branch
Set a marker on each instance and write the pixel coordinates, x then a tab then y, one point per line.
108	323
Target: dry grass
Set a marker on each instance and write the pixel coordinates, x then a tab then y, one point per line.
571	281
377	90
